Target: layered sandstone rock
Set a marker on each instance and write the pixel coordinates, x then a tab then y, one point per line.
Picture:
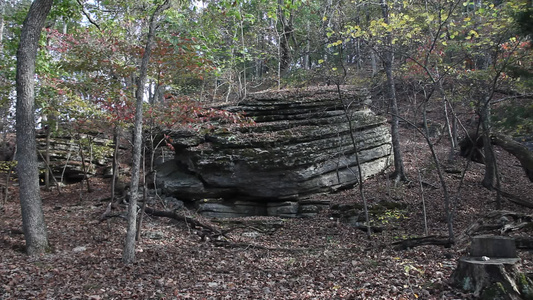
66	159
301	144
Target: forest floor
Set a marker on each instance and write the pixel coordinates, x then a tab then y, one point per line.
305	258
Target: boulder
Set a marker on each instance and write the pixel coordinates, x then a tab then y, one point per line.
65	156
301	144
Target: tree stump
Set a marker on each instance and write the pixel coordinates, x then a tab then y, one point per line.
493	246
495	276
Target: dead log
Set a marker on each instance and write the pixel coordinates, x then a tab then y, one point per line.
471	147
519	151
500	221
206	231
375	229
427	240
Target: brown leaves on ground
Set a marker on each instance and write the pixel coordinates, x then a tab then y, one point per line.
308	258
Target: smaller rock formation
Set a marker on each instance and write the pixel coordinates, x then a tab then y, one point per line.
65	156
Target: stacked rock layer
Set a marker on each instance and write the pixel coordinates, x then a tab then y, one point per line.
303	142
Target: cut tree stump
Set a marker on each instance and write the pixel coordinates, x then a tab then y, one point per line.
492	271
493	246
497	278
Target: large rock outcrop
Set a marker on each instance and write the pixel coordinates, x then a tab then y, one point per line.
301	144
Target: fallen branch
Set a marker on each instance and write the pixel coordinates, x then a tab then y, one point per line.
427	240
208	231
364	228
110	216
501	222
228	244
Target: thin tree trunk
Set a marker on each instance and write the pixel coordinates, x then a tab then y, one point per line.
346	108
424	214
490	170
244	79
426	130
28	173
447	123
84	168
448	205
307	61
285	37
145	197
8	176
2	11
388	60
49	169
116	139
128	256
47	158
374	64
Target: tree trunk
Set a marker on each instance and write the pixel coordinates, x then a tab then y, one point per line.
84	168
307	61
145	197
492	279
128	256
388	59
28	173
285	37
374	63
47	173
490	170
244	78
2	11
116	140
360	181
518	150
515	148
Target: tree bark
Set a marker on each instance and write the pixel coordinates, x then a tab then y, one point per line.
388	59
28	173
490	161
518	150
2	11
287	28
346	108
116	140
128	256
47	158
498	278
521	152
